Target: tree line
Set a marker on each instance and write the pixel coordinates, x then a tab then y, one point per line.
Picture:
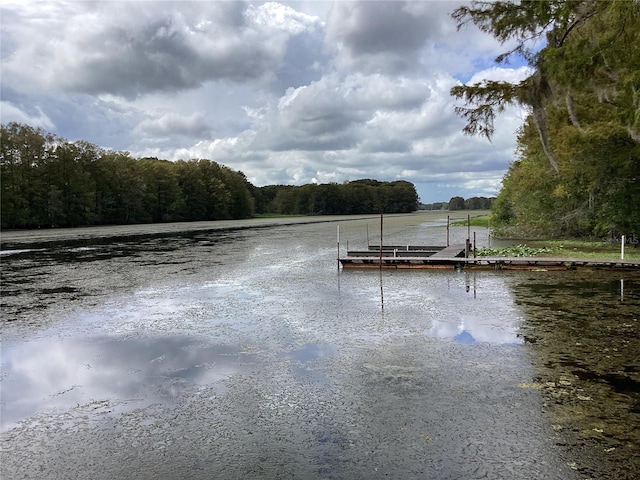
354	197
473	203
47	181
50	182
577	165
460	203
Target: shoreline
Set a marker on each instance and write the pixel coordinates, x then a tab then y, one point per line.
23	237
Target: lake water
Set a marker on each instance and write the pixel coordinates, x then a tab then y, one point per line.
221	351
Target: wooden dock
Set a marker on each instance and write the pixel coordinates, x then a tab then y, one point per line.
453	257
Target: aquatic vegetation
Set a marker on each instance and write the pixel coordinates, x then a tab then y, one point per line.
585	332
517	251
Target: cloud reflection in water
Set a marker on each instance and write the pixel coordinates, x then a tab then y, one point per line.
49	374
470	329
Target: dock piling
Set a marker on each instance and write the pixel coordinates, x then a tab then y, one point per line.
381	243
474	244
447	230
338	241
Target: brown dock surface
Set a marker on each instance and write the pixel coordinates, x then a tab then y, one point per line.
451	251
440	260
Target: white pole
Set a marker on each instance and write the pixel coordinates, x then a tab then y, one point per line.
622	248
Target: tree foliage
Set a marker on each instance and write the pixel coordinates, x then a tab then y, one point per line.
472	203
456	203
356	197
578	156
47	181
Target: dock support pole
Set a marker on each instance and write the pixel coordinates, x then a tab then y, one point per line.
447	230
474	244
622	248
468	245
339	247
380	262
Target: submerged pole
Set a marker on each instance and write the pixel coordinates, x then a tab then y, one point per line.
381	292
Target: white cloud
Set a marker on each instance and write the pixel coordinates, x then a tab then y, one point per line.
501	74
37	118
287	92
382	36
172	124
137	48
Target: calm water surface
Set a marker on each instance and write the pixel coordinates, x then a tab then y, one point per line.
246	353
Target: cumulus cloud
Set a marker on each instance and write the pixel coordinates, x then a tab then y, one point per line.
35	117
287	92
130	49
385	36
500	74
172	124
334	113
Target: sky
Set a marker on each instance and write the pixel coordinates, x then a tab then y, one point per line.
289	92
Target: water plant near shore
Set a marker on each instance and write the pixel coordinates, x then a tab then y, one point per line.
516	251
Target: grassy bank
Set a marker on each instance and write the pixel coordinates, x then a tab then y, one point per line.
478	221
587	249
569	248
276	215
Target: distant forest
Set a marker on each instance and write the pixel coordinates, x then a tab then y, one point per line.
460	203
47	181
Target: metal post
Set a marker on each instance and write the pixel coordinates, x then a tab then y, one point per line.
338	241
447	230
474	244
380	264
622	248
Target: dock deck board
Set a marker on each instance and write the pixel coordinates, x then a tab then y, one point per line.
451	251
448	258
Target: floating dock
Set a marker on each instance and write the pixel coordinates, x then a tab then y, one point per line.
459	257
